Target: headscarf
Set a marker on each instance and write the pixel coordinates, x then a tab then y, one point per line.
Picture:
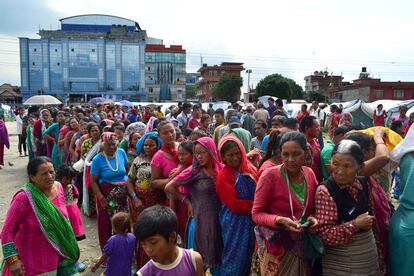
137	127
406	146
346	119
140	143
209	145
150	124
244	136
109	136
245	166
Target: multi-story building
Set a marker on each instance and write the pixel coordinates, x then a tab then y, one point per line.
210	75
165	73
91	55
369	89
191	85
321	81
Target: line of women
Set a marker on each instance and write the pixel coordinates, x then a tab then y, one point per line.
275	219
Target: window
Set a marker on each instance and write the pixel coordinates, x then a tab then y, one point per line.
150	89
34	50
73	50
379	94
55	50
33	64
398	94
93	50
58	64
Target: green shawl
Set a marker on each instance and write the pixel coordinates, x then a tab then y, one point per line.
55	227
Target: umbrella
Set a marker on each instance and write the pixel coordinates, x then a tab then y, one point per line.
42	100
126	103
108	101
96	100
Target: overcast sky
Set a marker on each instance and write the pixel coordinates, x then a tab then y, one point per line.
293	38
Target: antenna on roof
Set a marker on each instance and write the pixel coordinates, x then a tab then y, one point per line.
201	60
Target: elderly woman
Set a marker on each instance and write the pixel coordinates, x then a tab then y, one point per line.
283	201
109	182
39	127
37	237
342	207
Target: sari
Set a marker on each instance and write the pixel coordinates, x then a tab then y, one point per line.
236	189
57	153
57	246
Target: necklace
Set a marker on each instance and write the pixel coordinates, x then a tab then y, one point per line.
109	163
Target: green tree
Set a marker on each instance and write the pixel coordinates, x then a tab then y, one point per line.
279	86
316	96
228	88
190	91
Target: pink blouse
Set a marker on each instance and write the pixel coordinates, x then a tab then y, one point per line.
22	227
164	163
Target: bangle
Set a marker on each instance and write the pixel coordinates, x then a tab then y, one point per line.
13	259
133	195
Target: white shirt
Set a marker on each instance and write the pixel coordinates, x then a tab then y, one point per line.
19	121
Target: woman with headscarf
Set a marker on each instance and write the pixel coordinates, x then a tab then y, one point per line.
57	151
39	127
236	185
109	182
142	194
135	128
401	246
200	179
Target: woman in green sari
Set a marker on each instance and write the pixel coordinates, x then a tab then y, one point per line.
57	151
37	238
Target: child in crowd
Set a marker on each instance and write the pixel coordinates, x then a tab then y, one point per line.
119	250
157	228
65	175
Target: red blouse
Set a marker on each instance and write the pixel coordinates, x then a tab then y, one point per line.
326	213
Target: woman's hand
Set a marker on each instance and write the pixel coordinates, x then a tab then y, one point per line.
314	226
288	224
17	268
137	203
103	202
364	221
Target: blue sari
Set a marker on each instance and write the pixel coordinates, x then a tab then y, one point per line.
401	234
57	155
238	232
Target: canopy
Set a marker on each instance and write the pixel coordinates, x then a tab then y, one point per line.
42	100
126	103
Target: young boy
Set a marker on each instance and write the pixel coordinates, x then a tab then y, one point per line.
156	228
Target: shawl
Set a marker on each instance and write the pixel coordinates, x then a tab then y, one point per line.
244	136
245	166
150	124
140	143
137	127
55	227
4	136
209	145
391	139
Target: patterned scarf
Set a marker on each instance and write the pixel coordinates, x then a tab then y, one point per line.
55	227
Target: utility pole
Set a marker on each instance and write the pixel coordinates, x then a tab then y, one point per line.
246	99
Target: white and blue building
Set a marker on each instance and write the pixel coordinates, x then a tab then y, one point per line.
90	56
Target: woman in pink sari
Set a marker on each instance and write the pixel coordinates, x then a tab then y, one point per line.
37	237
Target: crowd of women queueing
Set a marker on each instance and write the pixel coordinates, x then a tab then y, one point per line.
236	192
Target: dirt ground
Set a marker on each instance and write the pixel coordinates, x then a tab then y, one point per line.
13	176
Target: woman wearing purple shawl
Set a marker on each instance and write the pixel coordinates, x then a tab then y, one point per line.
4	141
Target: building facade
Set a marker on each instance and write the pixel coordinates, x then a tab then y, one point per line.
165	73
90	56
10	94
210	75
369	89
321	81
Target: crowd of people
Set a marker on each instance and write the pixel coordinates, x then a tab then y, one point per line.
242	191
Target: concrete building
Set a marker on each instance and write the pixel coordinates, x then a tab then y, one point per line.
91	55
321	81
369	89
10	94
165	74
210	75
191	80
